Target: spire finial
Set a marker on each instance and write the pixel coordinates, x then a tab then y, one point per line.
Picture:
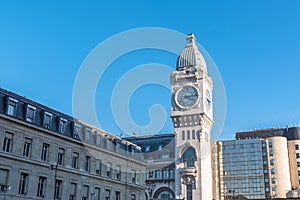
191	39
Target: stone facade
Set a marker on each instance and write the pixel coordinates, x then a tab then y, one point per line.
63	158
192	116
158	152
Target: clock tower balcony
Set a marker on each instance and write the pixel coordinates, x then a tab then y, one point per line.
188	171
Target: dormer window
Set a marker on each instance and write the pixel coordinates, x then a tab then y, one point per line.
98	139
88	133
147	148
47	120
160	147
30	113
76	131
12	106
62	125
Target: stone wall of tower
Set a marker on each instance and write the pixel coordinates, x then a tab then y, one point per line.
192	123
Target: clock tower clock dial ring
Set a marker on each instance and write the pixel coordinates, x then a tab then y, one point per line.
187	96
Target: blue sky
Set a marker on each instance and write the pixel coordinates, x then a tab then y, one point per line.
255	45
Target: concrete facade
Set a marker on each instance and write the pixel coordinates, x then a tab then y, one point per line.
294	159
283	158
279	173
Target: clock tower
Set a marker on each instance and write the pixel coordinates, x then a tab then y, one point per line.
192	116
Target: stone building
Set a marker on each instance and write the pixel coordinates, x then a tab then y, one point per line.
46	154
192	116
159	154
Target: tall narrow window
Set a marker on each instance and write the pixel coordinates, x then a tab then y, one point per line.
73	191
61	156
62	125
133	176
87	163
88	133
3	180
108	170
188	135
297	146
165	174
76	131
193	135
12	106
75	160
23	183
41	187
150	174
98	167
30	113
171	173
118	195
47	120
157	174
133	197
118	171
7	144
98	139
189	191
27	147
85	194
58	189
198	135
183	135
97	193
107	194
45	152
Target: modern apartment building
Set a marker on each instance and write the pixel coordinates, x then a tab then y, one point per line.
241	169
283	156
46	154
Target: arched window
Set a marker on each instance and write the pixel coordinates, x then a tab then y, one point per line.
189	157
188	135
164	194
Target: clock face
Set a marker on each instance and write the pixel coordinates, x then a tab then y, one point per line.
187	96
208	100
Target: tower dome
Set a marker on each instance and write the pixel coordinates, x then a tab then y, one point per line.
190	56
